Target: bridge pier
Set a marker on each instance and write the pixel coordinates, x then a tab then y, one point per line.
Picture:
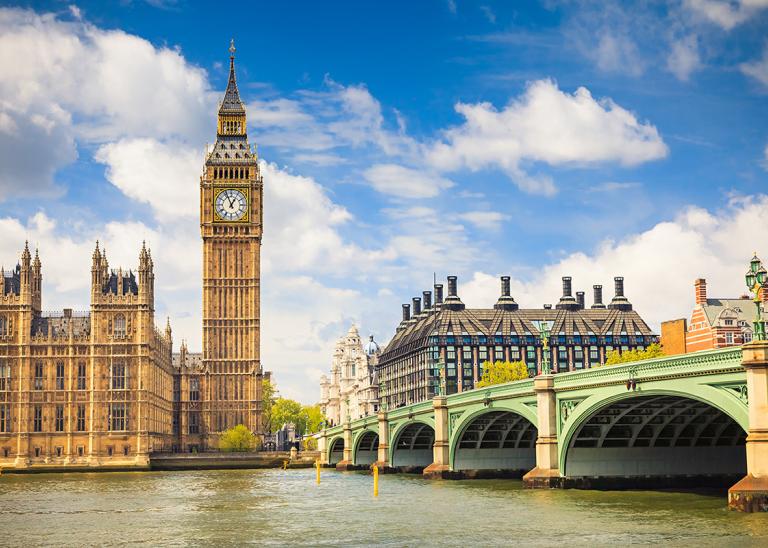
382	457
346	461
440	467
751	493
546	474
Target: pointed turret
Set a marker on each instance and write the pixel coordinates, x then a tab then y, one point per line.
232	103
168	331
26	272
37	282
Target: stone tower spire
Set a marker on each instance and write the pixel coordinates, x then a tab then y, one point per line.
37	282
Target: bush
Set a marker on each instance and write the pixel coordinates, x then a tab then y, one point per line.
614	357
238	439
500	372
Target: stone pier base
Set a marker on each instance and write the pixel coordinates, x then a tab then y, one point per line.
539	478
750	494
437	471
344	465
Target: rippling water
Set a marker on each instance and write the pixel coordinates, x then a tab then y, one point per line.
276	507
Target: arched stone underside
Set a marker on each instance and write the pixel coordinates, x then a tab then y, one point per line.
497	440
336	451
413	446
659	436
367	449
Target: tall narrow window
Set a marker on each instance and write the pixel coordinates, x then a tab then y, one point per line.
81	418
5	418
59	423
117	417
37	420
194	389
118	376
119	326
38	376
81	376
59	375
194	423
5	375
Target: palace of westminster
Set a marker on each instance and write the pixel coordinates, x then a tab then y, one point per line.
103	387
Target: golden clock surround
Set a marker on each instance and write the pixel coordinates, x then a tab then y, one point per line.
244	190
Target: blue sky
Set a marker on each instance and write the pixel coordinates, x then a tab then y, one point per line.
535	139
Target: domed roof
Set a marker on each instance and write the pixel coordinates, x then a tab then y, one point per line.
371	347
353	332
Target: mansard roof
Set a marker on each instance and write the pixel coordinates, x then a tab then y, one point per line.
490	321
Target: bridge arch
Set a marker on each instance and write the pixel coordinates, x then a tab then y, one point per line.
365	447
336	450
412	444
495	438
655	433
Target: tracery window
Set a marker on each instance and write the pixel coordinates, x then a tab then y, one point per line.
119	326
118	419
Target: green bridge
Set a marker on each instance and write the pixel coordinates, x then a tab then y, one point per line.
696	419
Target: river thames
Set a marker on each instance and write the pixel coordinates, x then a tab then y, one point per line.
276	507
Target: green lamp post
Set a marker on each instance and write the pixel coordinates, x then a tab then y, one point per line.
544	332
755	278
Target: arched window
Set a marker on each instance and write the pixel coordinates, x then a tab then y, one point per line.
3	326
119	326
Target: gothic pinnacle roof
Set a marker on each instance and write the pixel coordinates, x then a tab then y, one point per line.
232	103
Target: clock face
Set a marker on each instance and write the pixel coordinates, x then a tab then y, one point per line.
231	205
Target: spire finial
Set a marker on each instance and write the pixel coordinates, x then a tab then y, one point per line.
232	48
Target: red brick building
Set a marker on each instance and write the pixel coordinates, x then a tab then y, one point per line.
715	323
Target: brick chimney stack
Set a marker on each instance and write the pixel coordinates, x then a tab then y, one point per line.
701	290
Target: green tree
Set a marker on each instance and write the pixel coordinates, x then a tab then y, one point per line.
313	418
500	372
286	411
238	439
614	357
268	397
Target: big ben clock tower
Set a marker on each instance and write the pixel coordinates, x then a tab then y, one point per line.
231	225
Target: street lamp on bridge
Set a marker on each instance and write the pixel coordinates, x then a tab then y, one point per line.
755	278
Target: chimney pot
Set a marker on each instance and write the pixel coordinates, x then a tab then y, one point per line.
700	286
598	296
580	298
452	286
547	307
505	292
618	282
438	294
416	306
566	286
427	299
406	312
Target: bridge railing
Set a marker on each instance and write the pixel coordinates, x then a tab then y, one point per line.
706	360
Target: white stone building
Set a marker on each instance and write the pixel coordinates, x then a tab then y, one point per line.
353	387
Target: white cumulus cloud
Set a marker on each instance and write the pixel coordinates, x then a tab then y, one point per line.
549	126
405	182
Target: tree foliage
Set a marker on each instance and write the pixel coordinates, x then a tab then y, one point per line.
268	397
238	439
500	372
305	418
614	357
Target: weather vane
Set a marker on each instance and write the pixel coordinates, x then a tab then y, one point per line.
232	47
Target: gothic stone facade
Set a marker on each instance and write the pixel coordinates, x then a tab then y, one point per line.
353	388
81	389
442	348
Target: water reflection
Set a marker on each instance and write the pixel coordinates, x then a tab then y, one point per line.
276	507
